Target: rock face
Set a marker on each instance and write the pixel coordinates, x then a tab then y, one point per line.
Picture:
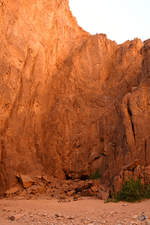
70	103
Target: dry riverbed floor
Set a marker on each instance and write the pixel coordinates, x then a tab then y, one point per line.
84	211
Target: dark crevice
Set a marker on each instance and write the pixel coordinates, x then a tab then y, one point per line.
19	180
84	177
103	154
67	176
101	139
132	124
96	158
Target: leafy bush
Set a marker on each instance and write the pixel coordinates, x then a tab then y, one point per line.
133	190
95	175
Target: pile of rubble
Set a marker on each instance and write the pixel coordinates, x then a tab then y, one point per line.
63	190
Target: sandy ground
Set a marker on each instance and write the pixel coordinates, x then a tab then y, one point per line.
85	211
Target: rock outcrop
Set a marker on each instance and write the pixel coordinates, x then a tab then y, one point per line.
70	103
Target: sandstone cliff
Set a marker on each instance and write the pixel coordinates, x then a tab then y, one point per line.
70	103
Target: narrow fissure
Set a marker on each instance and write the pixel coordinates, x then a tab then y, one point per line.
132	124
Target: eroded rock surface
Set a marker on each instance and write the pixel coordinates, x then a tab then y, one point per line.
70	103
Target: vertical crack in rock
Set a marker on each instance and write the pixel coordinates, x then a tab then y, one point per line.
131	120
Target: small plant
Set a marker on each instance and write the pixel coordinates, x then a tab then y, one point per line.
147	191
95	175
133	190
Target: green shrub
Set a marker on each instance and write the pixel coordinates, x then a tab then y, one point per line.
147	191
133	190
95	175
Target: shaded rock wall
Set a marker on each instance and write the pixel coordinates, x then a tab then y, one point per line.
70	103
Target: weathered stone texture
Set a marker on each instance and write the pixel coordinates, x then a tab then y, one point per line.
70	103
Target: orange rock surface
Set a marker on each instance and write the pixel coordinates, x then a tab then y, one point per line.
70	103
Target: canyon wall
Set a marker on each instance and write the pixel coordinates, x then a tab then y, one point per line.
70	103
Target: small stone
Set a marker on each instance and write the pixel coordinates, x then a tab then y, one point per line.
134	217
125	204
75	199
57	215
12	218
142	217
113	212
70	218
